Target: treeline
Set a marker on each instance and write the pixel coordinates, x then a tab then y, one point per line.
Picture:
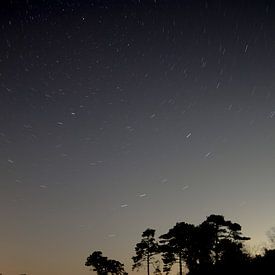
216	247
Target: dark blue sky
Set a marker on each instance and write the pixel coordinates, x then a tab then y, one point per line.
122	115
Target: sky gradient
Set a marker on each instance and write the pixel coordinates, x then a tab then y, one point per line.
116	116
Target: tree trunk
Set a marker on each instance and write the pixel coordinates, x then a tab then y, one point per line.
180	262
148	264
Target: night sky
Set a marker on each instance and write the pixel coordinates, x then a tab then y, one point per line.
116	116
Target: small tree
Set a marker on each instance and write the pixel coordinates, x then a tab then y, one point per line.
145	250
103	266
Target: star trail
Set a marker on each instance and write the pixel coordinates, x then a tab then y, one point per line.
116	116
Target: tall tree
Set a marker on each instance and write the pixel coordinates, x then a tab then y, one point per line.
225	235
210	247
103	265
145	250
176	245
197	255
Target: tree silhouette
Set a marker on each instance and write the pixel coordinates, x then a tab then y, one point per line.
216	246
209	248
98	262
176	245
199	259
220	246
258	264
224	234
115	267
145	250
268	261
103	266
